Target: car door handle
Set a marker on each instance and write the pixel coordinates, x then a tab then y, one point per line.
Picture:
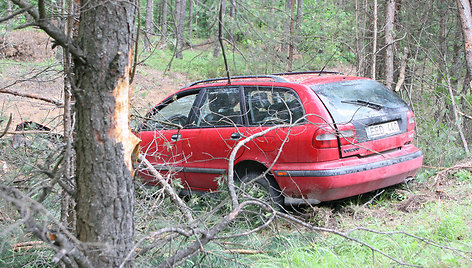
235	136
175	137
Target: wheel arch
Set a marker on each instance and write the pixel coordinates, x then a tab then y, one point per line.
244	165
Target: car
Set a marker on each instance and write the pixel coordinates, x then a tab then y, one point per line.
333	136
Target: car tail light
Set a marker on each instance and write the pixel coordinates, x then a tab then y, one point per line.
411	121
327	136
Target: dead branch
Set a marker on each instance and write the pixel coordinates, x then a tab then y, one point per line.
244	251
23	132
66	245
16	13
445	171
464	115
31	96
27	245
7	126
167	188
184	253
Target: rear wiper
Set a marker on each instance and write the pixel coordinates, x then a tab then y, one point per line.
364	103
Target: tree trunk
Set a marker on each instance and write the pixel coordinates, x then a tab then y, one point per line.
179	27
217	47
299	15
190	19
389	39
232	14
104	143
163	24
149	25
9	7
291	41
285	42
374	46
463	7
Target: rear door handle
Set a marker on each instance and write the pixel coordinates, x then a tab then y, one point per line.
235	136
175	137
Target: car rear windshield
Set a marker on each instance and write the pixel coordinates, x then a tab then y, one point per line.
356	99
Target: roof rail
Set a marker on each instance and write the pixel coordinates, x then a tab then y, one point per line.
308	72
274	77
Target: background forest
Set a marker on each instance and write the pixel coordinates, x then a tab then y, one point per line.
419	49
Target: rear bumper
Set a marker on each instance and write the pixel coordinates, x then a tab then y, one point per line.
346	177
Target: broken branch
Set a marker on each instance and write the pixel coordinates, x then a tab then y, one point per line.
31	96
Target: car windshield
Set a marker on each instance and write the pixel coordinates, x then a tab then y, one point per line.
356	99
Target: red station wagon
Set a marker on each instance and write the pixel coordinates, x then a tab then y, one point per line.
340	135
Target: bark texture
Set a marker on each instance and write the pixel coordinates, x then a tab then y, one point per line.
179	27
149	24
163	21
104	143
463	7
389	39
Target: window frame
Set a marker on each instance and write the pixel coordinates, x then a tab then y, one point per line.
271	88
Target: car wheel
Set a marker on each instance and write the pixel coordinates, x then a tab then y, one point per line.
264	188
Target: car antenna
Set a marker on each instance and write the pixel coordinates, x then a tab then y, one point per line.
220	38
324	67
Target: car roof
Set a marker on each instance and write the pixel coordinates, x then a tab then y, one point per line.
304	78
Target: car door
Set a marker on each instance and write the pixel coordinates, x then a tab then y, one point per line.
272	106
162	133
217	127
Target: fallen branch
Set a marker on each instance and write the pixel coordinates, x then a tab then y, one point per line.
31	96
443	172
28	245
465	115
244	251
7	127
68	248
167	188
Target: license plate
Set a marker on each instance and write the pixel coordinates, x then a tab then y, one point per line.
383	129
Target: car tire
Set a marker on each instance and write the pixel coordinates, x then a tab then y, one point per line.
274	197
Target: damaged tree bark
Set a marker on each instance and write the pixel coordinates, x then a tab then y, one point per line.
104	143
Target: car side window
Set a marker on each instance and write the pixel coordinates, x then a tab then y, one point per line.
271	106
174	113
220	107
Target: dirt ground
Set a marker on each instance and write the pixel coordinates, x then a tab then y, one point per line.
31	68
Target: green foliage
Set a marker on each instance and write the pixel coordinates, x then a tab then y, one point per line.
463	175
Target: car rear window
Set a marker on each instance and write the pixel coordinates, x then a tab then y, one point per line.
356	99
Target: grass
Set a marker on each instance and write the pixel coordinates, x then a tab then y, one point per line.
446	223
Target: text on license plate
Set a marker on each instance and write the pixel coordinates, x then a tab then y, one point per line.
383	129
